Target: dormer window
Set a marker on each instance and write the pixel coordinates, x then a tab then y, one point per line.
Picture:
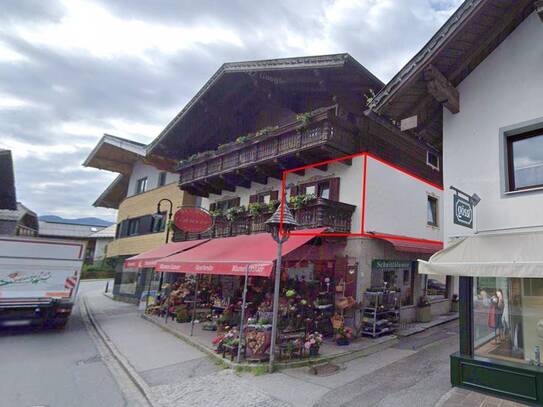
432	159
141	185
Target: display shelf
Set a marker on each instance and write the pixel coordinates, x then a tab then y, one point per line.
380	313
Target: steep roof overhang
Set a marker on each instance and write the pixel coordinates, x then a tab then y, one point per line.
114	193
460	45
115	154
223	108
8	199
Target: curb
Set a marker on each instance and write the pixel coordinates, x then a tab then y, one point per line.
340	357
119	357
419	330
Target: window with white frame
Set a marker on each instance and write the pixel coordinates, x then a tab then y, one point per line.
431	213
432	159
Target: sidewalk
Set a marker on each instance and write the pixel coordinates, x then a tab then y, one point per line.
465	398
179	374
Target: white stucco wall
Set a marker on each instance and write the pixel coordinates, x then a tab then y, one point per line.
396	203
505	90
100	248
141	170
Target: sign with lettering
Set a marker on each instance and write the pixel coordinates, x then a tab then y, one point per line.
391	264
193	220
462	212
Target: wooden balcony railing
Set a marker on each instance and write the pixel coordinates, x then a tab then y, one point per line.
321	136
317	213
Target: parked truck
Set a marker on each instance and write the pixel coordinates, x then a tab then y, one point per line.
39	279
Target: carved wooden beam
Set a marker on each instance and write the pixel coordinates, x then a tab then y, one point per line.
269	172
220	183
538	4
441	89
254	176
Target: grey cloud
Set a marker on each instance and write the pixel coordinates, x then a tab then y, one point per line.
30	10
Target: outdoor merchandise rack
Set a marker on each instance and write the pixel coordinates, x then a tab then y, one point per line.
381	313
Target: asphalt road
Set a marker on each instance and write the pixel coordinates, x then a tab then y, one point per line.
56	368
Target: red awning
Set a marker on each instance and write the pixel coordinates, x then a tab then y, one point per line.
233	255
149	258
412	245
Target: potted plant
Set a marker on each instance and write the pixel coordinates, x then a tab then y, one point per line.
344	335
455	303
233	213
424	310
182	315
313	343
255	208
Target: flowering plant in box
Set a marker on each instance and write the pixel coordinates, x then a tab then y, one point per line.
344	333
313	340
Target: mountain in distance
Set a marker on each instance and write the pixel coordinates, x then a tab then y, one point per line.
79	221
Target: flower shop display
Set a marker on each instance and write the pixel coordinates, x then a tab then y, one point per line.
344	335
313	343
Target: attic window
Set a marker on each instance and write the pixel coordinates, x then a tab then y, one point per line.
432	159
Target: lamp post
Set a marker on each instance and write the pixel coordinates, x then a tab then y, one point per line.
279	232
158	215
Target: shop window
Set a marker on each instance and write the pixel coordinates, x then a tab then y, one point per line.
133	227
525	160
436	287
162	178
432	211
432	159
507	318
141	185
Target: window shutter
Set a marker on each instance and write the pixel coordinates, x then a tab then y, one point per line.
294	190
212	206
274	195
253	199
334	189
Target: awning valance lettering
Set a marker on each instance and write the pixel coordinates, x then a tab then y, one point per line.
234	255
490	255
149	258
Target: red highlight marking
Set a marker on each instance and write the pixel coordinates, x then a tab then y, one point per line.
362	233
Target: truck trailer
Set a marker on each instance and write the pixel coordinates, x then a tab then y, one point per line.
39	279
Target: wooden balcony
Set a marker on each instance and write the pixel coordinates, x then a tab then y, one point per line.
319	136
317	213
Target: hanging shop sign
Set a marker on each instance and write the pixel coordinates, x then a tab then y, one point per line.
391	264
462	211
193	219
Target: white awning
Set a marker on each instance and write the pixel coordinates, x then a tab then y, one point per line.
490	255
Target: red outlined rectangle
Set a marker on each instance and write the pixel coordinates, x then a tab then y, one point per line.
362	233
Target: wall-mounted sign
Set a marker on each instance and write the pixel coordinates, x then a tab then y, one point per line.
391	264
462	212
193	220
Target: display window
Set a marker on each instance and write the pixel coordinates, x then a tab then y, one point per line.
508	318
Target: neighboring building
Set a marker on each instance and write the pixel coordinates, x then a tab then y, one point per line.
478	85
95	237
102	240
378	188
142	182
15	218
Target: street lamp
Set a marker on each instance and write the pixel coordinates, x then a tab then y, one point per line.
158	216
279	225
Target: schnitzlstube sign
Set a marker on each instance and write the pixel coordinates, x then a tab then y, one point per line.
463	212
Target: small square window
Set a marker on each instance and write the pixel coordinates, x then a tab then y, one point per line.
525	160
133	227
141	185
162	179
432	159
311	190
432	211
324	190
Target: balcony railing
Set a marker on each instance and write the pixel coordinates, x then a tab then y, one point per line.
318	136
317	213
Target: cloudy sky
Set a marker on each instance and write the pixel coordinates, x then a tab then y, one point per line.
73	70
